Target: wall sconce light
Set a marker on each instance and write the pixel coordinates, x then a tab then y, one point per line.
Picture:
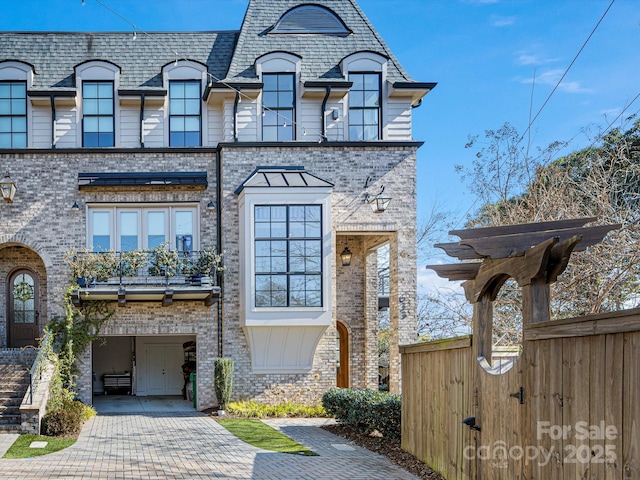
211	206
378	203
346	256
75	207
8	188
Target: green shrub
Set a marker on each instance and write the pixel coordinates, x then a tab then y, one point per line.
365	410
223	380
252	409
66	420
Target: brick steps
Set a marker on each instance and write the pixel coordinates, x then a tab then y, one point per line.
14	383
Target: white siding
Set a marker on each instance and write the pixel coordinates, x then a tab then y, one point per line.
308	118
336	129
130	126
215	125
398	124
66	128
246	122
41	128
153	127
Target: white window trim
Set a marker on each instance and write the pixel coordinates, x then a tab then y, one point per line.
283	316
280	62
186	70
98	71
367	62
20	72
170	227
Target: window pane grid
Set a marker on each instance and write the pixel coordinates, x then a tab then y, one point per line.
13	114
98	118
364	106
278	101
185	115
288	256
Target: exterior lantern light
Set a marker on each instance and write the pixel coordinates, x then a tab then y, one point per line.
7	188
346	256
211	206
75	207
377	202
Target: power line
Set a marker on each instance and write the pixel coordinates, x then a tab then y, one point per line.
567	70
183	58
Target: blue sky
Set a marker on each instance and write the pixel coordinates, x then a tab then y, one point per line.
483	54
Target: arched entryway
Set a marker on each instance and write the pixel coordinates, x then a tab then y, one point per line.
342	360
22	309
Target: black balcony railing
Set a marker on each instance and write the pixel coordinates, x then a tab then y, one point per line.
158	266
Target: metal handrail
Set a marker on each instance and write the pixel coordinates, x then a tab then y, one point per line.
35	373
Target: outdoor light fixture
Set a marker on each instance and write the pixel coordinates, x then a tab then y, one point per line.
211	206
75	207
7	188
378	203
346	256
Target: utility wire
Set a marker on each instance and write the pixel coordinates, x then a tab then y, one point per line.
285	119
567	70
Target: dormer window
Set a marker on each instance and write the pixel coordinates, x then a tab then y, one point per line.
310	19
278	101
13	114
364	106
184	110
98	119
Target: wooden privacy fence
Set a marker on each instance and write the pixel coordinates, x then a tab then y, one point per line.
566	409
581	412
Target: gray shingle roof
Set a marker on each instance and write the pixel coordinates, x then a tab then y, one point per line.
228	55
321	54
54	55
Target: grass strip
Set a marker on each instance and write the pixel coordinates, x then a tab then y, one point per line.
20	448
256	433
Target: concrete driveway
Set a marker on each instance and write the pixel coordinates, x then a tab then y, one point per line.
191	445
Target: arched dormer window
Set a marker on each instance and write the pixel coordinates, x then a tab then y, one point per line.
279	72
367	71
310	19
186	80
98	81
15	78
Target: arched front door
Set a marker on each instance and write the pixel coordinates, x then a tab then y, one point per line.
22	318
342	344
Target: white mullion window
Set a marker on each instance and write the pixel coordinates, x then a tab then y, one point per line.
101	230
129	234
156	227
183	227
143	228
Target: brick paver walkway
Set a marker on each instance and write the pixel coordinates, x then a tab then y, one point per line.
193	446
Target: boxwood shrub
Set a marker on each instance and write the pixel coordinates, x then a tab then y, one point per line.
365	410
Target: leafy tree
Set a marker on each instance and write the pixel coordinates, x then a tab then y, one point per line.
602	180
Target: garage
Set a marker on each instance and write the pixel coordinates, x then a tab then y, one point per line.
141	365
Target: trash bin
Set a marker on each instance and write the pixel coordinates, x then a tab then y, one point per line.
192	379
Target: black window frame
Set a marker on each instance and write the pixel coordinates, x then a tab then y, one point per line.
174	117
361	110
274	115
106	138
14	118
288	273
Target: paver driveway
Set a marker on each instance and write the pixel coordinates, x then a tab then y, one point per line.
183	445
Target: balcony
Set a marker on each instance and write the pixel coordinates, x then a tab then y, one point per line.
159	275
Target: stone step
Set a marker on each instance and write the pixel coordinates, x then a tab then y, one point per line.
10	419
11	428
12	401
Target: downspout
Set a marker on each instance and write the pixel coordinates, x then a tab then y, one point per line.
235	115
323	113
141	120
220	275
53	120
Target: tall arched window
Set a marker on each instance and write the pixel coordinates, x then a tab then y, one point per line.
23	309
